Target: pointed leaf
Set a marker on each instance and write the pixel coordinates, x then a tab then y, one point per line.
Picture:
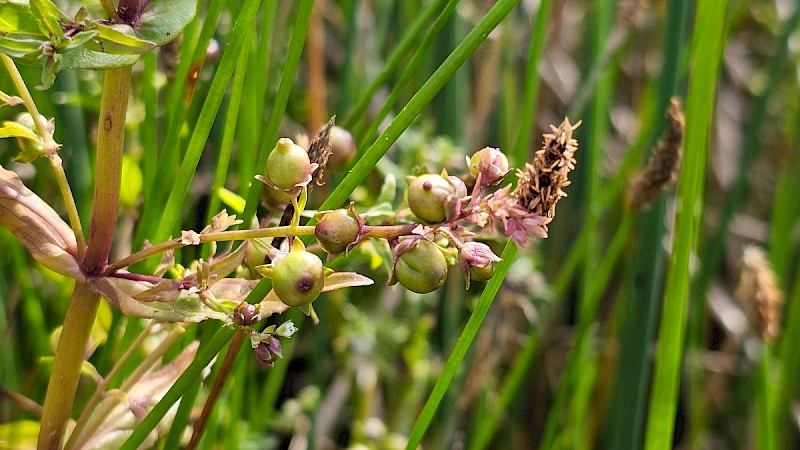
21	45
119	40
163	20
338	280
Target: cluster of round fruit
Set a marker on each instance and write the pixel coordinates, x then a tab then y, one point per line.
419	264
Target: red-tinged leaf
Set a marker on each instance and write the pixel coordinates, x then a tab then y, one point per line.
120	293
49	239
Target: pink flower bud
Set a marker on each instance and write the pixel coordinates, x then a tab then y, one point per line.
475	260
490	163
269	352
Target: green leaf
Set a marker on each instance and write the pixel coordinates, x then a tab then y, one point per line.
163	20
79	40
14	129
83	58
18	45
119	40
16	17
132	186
19	434
49	17
231	200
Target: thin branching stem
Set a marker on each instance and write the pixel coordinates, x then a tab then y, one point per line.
51	148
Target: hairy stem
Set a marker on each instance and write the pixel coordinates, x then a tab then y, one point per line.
67	366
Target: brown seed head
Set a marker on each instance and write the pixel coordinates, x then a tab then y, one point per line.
759	294
541	184
662	169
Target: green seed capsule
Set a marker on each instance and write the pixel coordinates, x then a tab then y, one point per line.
288	164
298	278
422	268
430	196
336	230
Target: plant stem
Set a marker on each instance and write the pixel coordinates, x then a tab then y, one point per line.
108	168
67	366
102	414
82	421
82	308
51	147
234	235
216	389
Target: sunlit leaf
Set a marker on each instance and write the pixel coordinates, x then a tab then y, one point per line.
119	40
132	187
49	16
16	17
14	129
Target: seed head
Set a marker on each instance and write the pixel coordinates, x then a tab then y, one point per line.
662	169
541	185
759	294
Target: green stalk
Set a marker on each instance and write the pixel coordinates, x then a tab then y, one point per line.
270	135
50	148
530	92
410	71
179	99
188	379
707	54
417	103
629	401
226	148
239	36
67	366
393	62
83	305
462	346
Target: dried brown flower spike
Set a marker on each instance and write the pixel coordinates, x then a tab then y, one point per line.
662	169
759	294
541	185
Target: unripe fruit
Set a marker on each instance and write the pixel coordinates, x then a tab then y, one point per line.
288	164
298	278
481	273
336	230
431	197
343	147
422	268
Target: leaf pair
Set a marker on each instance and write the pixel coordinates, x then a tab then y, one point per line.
39	33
